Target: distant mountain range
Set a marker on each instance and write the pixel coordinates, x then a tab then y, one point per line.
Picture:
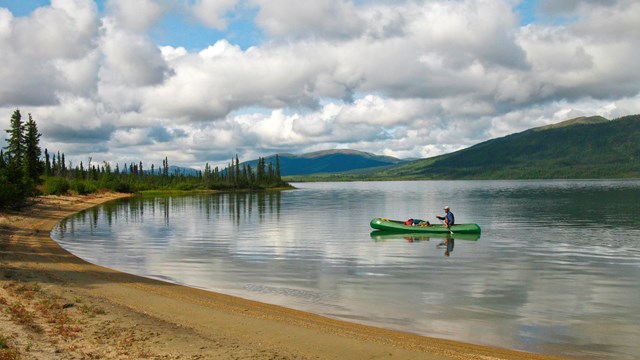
318	162
327	161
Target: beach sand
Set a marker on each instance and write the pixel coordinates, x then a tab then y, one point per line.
54	305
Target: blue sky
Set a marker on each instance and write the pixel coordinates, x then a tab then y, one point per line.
527	11
22	7
178	29
254	77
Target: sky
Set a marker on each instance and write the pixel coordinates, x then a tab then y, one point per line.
201	81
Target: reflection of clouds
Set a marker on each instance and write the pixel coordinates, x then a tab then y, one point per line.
310	249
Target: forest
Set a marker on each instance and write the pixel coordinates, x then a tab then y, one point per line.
27	171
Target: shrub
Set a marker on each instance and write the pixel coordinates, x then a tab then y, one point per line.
56	186
10	195
122	187
185	186
83	187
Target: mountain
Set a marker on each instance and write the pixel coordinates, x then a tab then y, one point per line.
583	120
182	170
327	161
587	147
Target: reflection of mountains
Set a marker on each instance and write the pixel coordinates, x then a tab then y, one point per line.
380	235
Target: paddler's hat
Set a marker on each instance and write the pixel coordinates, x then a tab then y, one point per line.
446	208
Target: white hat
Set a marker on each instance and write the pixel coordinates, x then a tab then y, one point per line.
446	208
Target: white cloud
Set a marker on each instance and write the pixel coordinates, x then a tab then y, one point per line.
63	30
129	58
6	24
136	16
212	12
403	78
315	19
582	59
80	76
34	52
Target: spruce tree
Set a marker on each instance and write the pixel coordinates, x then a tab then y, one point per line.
63	166
237	170
32	163
13	188
47	163
278	177
15	149
261	170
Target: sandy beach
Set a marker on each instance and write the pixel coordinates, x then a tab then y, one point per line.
54	305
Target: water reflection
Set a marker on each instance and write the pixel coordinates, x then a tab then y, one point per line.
235	206
444	241
553	272
379	235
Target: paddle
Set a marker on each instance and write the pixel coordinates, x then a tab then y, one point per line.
450	232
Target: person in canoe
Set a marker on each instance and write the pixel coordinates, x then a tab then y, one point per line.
449	219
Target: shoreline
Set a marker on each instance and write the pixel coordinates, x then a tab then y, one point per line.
55	305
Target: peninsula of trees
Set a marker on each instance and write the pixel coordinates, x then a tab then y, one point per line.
26	171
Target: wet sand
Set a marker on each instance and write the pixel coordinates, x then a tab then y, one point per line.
54	305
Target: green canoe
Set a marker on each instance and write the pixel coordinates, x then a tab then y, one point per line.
399	226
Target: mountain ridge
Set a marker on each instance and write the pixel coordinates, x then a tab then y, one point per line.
591	147
326	161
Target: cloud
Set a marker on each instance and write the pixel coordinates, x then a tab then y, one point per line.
469	31
35	52
319	19
212	12
129	58
569	6
212	83
403	78
136	16
585	58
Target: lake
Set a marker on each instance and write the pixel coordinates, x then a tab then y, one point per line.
555	270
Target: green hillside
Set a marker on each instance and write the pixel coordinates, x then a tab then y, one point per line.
580	148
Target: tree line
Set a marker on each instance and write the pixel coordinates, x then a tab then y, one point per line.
25	171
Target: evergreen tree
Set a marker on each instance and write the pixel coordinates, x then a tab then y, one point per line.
63	166
47	164
237	170
271	173
15	149
59	165
33	165
261	170
13	189
165	167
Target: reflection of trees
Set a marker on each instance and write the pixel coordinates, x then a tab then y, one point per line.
237	206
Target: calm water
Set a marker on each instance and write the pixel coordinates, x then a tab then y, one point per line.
555	271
